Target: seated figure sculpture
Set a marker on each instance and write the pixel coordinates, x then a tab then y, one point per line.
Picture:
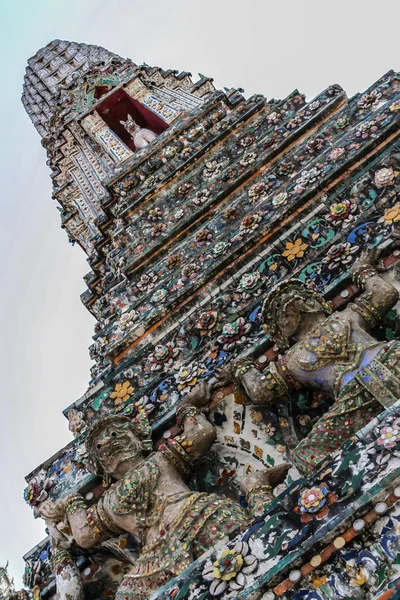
141	136
331	353
150	499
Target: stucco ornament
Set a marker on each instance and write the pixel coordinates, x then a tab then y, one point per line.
307	178
207	321
213	167
384	177
122	392
128	319
38	488
339	255
189	271
391	215
163	356
389	437
220	248
257	192
248	158
342	213
187	376
201	196
295	249
234	334
76	421
279	199
366	129
249	284
143	405
147	282
314	502
369	99
230	569
159	296
250	223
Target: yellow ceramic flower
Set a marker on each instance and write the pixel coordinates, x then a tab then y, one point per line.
392	214
295	249
122	392
228	565
318	581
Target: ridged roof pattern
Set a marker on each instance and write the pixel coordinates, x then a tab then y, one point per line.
55	68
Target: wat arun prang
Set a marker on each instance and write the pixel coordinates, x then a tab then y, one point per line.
240	434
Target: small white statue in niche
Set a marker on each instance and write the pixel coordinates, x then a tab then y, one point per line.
141	136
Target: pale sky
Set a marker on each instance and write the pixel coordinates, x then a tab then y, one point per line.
264	46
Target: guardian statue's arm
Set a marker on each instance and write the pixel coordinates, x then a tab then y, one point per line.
198	434
75	510
378	296
261	387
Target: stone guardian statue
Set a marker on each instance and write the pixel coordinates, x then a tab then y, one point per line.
333	353
151	500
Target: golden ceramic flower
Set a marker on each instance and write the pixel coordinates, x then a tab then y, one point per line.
318	581
122	392
391	215
228	565
295	249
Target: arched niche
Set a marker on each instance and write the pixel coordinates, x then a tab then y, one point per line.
117	106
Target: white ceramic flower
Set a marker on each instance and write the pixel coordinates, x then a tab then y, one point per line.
128	319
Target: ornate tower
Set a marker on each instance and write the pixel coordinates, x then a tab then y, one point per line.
191	203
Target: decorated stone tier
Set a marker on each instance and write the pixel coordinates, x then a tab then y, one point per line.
240	435
6	583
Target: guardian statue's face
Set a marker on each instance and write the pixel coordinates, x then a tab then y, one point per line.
291	308
114	445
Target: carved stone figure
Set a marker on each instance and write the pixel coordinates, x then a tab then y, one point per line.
150	499
332	353
68	578
141	136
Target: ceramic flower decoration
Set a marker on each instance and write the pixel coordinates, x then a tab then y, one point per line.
342	213
314	502
122	392
229	571
234	334
186	377
384	177
388	437
163	356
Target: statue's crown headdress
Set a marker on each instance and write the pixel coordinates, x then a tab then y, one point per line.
277	297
